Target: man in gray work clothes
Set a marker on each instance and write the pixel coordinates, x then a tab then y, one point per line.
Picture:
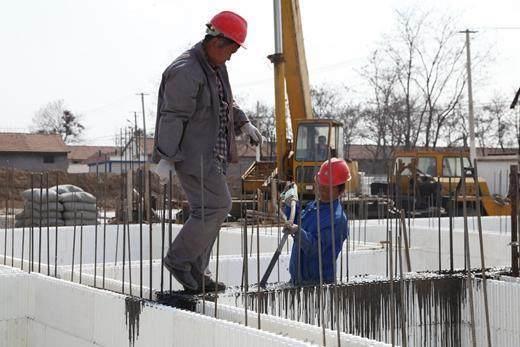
195	131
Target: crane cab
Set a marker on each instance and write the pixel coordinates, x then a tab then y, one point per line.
316	140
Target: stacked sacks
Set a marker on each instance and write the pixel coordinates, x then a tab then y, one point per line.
79	207
67	205
41	208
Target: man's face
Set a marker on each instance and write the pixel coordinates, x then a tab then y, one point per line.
218	52
324	193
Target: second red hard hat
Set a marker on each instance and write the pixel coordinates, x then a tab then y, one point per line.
336	173
230	25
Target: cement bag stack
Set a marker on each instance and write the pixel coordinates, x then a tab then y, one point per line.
79	207
41	208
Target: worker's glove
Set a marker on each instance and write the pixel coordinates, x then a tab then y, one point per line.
250	130
291	229
289	194
163	171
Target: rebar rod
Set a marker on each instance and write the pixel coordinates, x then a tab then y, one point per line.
140	217
467	255
482	258
150	219
81	247
163	230
56	229
40	225
203	219
320	264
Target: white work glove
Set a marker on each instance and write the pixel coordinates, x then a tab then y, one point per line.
163	170
250	130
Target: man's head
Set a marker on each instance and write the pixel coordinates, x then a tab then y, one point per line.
322	139
225	33
331	179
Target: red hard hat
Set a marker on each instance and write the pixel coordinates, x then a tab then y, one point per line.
339	172
230	25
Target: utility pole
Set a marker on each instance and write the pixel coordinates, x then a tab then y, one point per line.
472	149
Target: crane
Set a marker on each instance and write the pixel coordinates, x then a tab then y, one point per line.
314	140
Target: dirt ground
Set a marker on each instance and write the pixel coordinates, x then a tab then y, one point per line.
13	182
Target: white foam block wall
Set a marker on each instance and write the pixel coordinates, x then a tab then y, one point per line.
59	313
230	271
231	242
504	313
496	250
277	325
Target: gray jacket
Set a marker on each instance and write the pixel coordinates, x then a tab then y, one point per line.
187	113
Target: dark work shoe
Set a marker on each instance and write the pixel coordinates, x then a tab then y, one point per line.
183	277
211	286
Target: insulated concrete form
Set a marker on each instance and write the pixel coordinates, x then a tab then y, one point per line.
41	311
436	310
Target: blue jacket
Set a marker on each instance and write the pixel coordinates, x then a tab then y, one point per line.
307	240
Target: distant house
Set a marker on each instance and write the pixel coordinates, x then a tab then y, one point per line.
121	159
33	152
78	156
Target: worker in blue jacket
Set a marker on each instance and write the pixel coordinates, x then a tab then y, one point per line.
304	263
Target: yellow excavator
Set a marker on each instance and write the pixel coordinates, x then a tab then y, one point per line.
422	179
313	140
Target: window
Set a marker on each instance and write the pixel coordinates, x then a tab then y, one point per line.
451	166
425	165
312	142
305	174
48	159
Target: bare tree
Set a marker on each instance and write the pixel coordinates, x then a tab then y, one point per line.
419	71
329	102
503	121
55	118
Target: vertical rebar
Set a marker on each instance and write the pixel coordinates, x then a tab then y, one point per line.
48	227
96	223
404	339
170	230
31	233
140	213
467	255
246	270
514	219
320	264
259	326
40	225
150	219
216	274
482	259
56	228
163	230
450	211
104	218
80	246
203	218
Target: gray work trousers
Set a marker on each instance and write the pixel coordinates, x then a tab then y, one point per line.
191	248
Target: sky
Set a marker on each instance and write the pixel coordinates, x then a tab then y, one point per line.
97	55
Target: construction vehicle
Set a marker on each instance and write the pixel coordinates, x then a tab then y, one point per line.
423	181
298	157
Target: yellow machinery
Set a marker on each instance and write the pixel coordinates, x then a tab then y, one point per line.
417	175
315	139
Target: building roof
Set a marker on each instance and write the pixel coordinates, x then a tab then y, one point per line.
81	153
31	143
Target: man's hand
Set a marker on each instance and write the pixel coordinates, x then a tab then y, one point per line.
163	171
254	135
291	229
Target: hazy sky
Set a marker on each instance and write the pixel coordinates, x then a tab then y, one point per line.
97	54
